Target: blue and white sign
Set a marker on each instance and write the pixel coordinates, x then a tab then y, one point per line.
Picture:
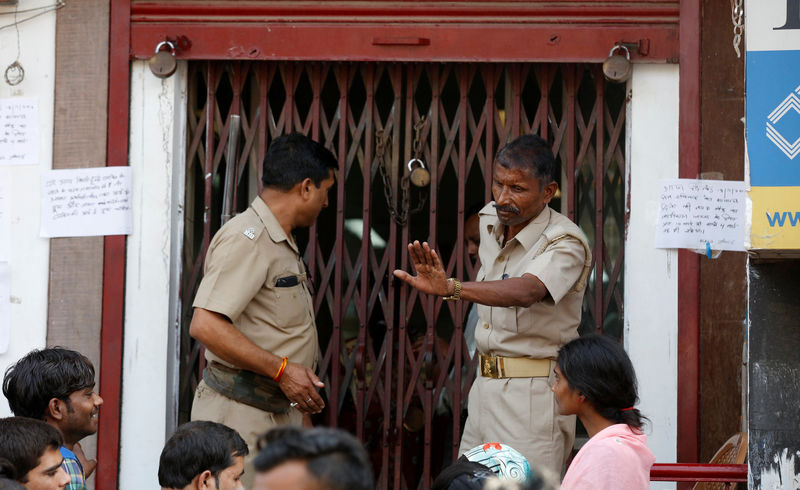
772	93
773	117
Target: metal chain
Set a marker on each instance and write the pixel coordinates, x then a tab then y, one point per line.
416	146
383	142
737	16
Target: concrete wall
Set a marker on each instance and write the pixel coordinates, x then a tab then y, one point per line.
651	275
157	148
29	255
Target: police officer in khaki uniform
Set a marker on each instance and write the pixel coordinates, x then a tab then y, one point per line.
529	291
253	309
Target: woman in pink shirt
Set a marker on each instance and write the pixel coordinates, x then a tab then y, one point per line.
594	379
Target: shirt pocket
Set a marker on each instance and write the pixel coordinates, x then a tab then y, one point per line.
505	318
288	305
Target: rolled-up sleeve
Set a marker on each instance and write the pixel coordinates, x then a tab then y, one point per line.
234	273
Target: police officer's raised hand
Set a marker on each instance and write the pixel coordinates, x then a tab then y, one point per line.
431	277
300	384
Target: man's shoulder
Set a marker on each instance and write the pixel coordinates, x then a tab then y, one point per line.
245	226
74	469
561	225
66	453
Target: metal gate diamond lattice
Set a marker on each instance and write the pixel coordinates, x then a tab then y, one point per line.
396	368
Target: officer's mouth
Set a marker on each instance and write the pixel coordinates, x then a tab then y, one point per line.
506	209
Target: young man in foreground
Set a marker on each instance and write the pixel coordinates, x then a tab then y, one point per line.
29	454
203	455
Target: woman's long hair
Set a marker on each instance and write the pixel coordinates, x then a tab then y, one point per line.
598	367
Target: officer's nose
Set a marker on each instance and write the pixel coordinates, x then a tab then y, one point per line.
502	197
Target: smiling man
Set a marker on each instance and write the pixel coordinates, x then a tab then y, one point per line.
529	291
203	455
29	454
57	385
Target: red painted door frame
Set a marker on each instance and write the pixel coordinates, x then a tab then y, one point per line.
381	41
688	449
111	333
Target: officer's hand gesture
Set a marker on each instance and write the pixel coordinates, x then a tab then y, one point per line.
300	384
431	277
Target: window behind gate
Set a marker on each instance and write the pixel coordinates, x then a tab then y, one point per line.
396	368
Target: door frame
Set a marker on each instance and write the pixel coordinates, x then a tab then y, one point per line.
136	29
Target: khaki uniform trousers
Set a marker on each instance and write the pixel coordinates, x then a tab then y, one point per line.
522	413
248	421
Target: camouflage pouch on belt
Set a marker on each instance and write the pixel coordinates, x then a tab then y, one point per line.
246	387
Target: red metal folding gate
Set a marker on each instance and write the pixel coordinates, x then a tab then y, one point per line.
395	364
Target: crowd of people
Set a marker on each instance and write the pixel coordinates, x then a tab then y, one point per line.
253	311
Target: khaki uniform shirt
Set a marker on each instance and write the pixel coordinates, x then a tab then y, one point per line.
245	259
541	329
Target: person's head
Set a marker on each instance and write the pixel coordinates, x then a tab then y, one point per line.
299	165
523	180
29	454
594	372
203	455
55	385
472	232
311	459
462	475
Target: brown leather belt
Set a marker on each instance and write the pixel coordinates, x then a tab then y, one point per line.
514	367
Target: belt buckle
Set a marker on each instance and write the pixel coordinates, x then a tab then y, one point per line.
489	367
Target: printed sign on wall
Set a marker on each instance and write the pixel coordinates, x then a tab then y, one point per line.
773	122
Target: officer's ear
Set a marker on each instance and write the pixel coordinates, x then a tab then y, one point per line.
549	191
305	188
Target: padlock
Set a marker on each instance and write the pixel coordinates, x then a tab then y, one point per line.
420	176
163	63
618	68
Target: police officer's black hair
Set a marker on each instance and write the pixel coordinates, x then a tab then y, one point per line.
599	368
291	158
196	447
531	152
333	457
23	441
42	375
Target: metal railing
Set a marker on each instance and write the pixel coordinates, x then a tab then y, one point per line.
698	472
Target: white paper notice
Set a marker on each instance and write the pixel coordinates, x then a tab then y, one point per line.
5	306
5	220
693	213
86	202
19	131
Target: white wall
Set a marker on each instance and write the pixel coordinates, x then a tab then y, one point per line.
29	255
651	274
156	157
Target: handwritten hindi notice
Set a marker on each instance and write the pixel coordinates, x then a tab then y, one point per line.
693	213
19	131
86	202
